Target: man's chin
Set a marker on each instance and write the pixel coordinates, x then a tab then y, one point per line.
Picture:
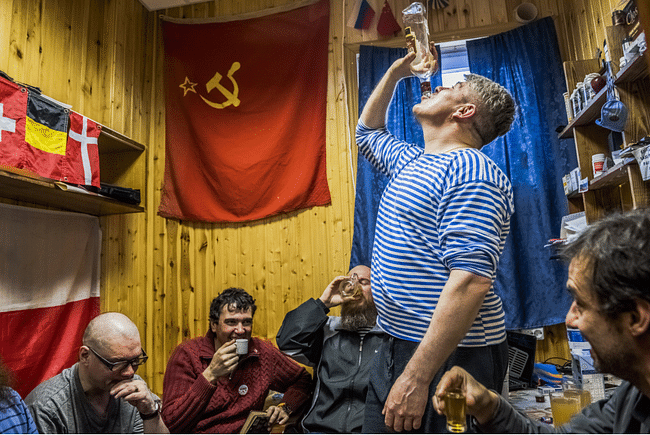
356	317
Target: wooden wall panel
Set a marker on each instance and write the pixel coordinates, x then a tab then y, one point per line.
106	59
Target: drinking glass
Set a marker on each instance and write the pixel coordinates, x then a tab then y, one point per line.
455	410
350	287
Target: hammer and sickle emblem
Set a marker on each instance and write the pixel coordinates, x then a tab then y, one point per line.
231	97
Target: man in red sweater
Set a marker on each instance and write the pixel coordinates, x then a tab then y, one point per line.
208	388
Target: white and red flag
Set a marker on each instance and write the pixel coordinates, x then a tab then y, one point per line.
34	137
82	155
49	289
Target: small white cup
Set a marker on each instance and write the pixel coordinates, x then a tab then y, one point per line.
242	346
598	164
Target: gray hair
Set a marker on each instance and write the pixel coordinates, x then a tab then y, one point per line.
496	108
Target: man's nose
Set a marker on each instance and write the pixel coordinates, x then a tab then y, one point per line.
571	316
240	328
128	371
439	88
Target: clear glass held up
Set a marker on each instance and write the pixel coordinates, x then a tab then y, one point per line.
416	31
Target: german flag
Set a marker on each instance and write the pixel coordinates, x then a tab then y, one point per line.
46	133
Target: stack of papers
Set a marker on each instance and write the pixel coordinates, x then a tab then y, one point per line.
573	225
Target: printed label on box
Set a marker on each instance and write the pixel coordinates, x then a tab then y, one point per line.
642	156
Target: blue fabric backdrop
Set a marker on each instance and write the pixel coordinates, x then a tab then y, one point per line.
527	62
373	64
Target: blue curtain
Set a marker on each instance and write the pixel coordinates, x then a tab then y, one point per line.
373	64
527	62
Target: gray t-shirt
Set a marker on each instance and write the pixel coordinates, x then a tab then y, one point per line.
59	405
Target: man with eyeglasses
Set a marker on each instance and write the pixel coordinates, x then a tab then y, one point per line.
101	393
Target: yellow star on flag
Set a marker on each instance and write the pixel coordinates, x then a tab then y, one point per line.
187	86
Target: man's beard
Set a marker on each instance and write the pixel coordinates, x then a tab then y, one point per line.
355	316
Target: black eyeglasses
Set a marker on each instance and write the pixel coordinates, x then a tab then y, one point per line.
119	366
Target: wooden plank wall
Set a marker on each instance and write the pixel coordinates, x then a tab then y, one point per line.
105	58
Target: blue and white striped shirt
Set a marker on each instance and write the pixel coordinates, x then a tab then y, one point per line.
438	212
14	415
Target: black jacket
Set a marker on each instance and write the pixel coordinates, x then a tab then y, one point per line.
626	411
342	364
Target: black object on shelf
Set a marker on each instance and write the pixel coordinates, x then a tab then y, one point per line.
124	194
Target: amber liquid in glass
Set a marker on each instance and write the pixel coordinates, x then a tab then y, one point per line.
455	409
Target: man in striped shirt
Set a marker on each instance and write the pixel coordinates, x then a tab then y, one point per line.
441	227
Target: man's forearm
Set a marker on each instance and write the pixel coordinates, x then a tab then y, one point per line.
374	112
453	316
155	425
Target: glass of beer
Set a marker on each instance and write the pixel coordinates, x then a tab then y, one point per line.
563	407
350	287
455	410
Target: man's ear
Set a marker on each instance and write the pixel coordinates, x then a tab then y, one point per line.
213	326
84	355
465	111
640	318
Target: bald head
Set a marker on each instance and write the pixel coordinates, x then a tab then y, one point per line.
361	271
109	328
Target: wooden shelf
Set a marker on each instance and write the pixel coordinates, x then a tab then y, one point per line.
55	194
111	141
634	70
574	194
588	115
613	177
31	189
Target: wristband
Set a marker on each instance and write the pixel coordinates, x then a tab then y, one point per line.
285	408
153	414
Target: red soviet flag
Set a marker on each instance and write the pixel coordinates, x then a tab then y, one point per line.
245	116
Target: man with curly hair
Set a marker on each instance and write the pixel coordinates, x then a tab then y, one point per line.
441	227
609	272
208	387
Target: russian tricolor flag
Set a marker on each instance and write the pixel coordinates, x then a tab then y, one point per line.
49	289
361	15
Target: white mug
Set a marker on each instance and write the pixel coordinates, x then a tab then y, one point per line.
242	346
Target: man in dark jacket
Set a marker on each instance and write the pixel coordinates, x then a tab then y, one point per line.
340	349
608	278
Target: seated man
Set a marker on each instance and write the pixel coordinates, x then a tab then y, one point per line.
14	416
340	347
101	393
608	278
208	388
